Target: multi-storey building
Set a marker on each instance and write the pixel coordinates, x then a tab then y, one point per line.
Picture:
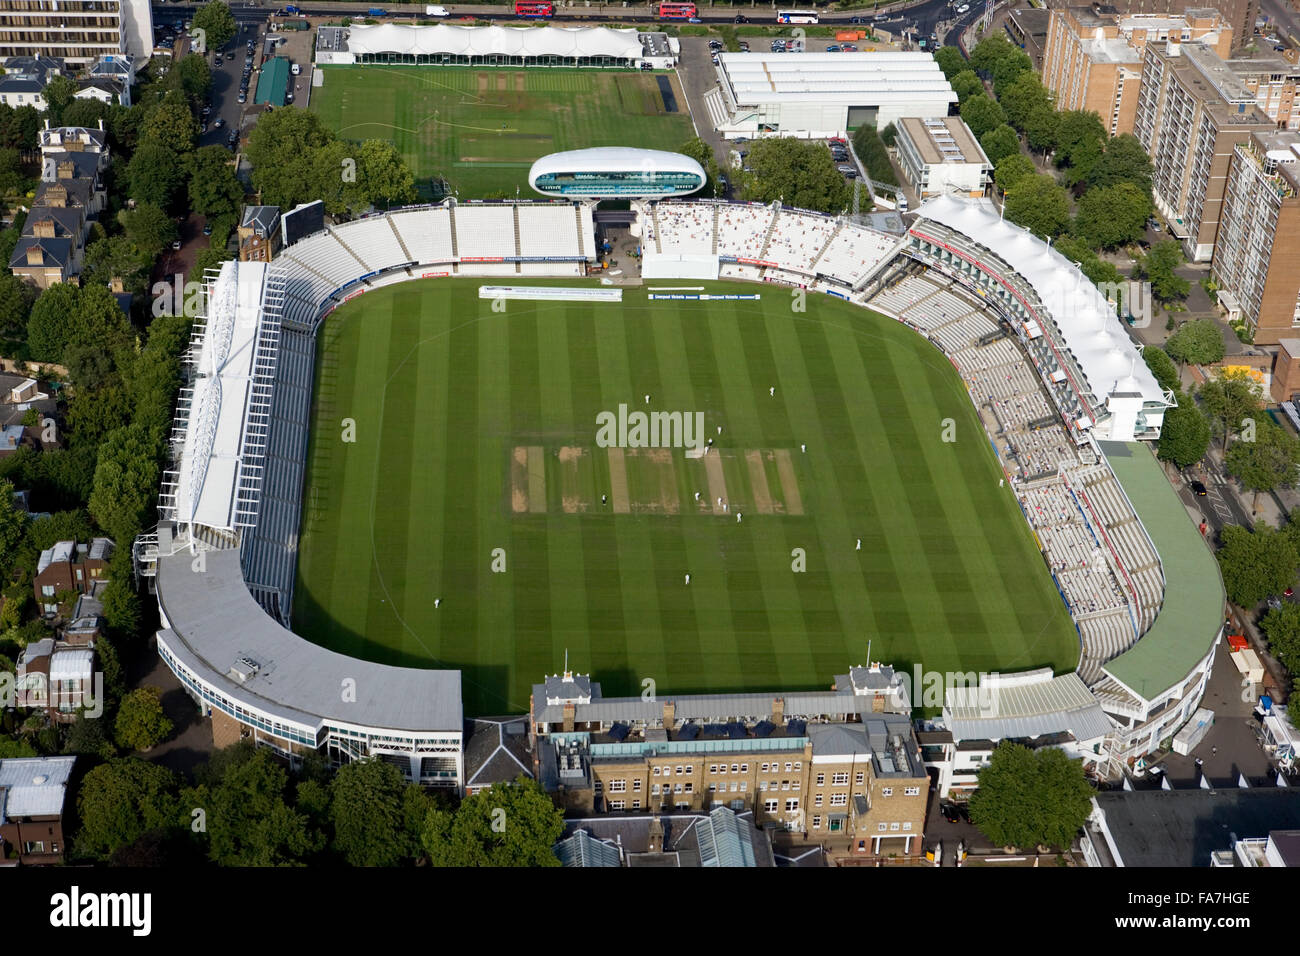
33	791
1239	15
1192	112
842	766
939	156
1093	55
70	568
76	31
1256	260
1273	80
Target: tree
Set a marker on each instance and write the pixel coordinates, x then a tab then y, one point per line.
154	174
870	148
989	52
215	190
193	78
1110	216
149	228
16	297
1199	342
217	23
1009	170
1097	270
282	148
1123	161
1009	69
1028	798
509	824
50	322
951	60
1039	205
119	801
1000	143
249	822
126	475
1080	138
700	151
1282	628
982	114
141	723
798	173
1267	463
1042	127
85	112
13	522
171	125
1159	265
1255	563
1022	96
1229	400
383	174
966	84
58	93
87	738
117	257
366	809
1185	433
1162	367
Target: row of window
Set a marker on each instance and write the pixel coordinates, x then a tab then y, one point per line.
791	805
880	827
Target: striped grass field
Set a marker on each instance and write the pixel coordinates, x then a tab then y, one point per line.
477	430
481	130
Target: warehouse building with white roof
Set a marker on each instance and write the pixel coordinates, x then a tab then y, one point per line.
825	94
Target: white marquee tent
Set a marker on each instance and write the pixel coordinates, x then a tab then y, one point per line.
445	38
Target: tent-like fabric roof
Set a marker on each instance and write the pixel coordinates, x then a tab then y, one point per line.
1092	331
484	41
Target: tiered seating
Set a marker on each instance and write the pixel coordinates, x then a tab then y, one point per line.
685	229
797	238
374	241
855	253
323	254
426	232
548	231
742	229
485	231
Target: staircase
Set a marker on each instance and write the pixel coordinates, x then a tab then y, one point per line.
822	251
455	252
519	266
767	237
365	265
717	214
405	251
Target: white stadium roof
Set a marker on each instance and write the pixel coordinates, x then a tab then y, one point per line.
613	159
1103	350
484	41
854	79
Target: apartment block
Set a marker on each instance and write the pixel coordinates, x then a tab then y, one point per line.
1273	79
1239	15
1093	55
1256	260
76	31
1192	112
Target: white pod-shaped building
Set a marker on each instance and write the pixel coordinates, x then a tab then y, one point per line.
616	172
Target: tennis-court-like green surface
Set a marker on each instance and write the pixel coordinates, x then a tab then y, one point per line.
481	129
475	479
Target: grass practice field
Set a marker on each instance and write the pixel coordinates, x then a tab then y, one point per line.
481	129
477	430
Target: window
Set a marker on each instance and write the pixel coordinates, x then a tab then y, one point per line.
911	791
764	768
893	826
618	786
713	768
679	771
794	784
817	800
860	777
744	786
713	788
735	768
636	804
839	799
734	785
744	768
798	765
886	791
690	768
882	827
597	786
656	771
690	787
792	804
821	779
677	788
817	823
636	785
47	590
616	804
840	780
907	825
785	784
654	788
769	806
683	805
788	766
762	785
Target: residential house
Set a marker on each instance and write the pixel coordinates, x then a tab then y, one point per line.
33	792
56	678
69	567
259	234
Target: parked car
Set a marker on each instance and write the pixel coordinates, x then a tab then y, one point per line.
176	245
207	228
849	48
847	170
288	97
1198	489
694	20
219	123
833	48
741	19
744	47
857	19
963	8
243	96
296	69
233	137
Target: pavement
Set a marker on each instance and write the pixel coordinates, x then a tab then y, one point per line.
191	740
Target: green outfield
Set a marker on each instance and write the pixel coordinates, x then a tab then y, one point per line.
482	129
476	430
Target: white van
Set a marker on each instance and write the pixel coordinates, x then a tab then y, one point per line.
436	12
902	203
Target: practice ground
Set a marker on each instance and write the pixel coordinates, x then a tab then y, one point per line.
482	129
477	430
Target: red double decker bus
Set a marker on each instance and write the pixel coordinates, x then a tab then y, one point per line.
676	11
534	9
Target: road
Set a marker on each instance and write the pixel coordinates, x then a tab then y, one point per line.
1279	12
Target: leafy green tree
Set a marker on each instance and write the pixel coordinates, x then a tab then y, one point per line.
117	256
16	298
1028	798
173	126
1255	563
989	52
1022	96
1010	170
700	151
141	723
1042	127
797	172
249	822
1080	139
155	174
119	801
215	190
1159	265
366	809
88	738
93	415
1010	68
383	174
1097	270
149	228
1162	367
870	148
1267	463
48	327
85	112
217	23
194	78
506	825
126	475
1039	205
1000	143
1110	216
1199	342
1123	161
966	84
982	114
1229	400
59	91
950	60
1185	433
1282	628
282	148
13	522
